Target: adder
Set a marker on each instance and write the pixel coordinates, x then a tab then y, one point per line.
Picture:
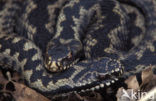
77	40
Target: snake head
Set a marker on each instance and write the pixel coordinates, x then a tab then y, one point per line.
61	56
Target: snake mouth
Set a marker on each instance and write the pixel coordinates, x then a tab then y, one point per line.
60	64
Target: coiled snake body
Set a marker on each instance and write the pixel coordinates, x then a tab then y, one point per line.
78	39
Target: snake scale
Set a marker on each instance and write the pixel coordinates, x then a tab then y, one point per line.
77	40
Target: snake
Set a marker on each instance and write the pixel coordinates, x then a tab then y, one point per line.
78	40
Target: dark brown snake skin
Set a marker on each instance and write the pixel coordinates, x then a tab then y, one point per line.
77	40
